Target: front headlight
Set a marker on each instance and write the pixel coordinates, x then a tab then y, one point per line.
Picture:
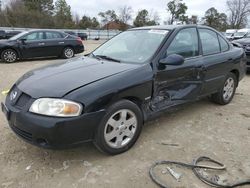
56	107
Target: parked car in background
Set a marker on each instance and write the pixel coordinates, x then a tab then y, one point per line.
106	96
245	44
83	36
71	33
9	34
241	34
230	33
2	34
40	43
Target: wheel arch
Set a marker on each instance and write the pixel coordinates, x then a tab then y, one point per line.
11	48
237	74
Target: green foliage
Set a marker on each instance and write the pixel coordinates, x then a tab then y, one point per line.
88	22
177	10
143	19
108	16
63	17
215	19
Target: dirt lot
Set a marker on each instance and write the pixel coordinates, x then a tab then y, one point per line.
199	129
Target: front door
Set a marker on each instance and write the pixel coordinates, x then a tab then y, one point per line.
34	45
176	84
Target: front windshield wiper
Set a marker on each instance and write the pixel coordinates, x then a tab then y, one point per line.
106	58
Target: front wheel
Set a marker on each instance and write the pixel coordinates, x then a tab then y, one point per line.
9	56
227	91
68	53
120	128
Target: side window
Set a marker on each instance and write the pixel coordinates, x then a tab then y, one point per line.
34	36
185	43
209	41
223	44
53	35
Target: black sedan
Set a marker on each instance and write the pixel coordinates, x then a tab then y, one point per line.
107	96
40	43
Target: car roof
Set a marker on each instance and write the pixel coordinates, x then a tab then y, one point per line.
43	30
169	27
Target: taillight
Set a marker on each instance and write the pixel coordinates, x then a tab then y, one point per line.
79	40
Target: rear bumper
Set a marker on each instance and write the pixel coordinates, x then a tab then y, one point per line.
79	49
51	132
248	61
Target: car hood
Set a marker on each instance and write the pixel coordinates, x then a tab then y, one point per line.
60	79
243	41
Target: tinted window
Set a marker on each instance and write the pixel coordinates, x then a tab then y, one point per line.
53	35
34	36
209	41
185	43
223	44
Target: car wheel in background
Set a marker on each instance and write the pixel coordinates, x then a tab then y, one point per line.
9	56
120	128
68	53
227	91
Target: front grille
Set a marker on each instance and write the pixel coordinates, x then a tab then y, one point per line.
21	133
22	100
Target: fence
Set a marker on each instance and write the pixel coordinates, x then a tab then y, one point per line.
92	34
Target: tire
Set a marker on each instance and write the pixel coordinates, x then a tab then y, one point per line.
68	53
9	56
227	91
119	128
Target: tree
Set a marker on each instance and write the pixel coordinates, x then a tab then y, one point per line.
108	16
143	19
88	22
63	17
41	6
215	19
177	9
239	10
125	15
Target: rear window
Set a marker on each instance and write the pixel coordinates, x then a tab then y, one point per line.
209	41
223	44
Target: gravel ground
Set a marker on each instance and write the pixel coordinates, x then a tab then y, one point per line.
198	129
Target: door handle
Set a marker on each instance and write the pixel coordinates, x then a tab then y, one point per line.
201	68
41	44
61	42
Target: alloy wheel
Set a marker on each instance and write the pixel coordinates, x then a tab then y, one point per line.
69	53
120	128
9	56
228	89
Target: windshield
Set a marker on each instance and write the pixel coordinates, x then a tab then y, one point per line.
134	46
239	34
18	35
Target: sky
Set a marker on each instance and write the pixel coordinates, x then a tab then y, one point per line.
93	7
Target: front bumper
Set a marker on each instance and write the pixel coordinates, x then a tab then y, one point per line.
51	132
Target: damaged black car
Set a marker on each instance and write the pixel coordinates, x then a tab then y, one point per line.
107	96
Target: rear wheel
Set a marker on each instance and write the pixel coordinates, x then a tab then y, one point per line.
120	128
227	91
68	53
9	56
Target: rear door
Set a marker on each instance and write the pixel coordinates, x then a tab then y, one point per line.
217	59
55	42
178	84
34	45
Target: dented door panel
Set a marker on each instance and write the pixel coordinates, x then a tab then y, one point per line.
178	84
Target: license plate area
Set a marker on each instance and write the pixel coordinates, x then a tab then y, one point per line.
5	111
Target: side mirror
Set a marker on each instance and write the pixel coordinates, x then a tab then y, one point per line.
22	41
173	59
